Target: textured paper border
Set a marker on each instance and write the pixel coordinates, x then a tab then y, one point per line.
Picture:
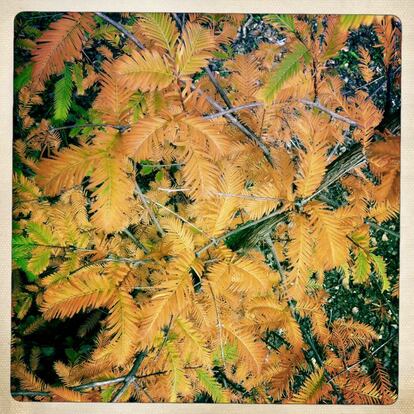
404	9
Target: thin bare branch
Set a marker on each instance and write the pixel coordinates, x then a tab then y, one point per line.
70	248
144	391
333	114
166	165
130	377
248	196
97	384
232	110
280	269
149	209
120	128
333	151
219	325
179	216
94	384
109	259
218	87
178	21
122	29
384	229
236	122
23	393
135	240
164	341
173	190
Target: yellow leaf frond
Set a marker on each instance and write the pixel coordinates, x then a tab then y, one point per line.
64	170
312	170
179	236
333	244
146	71
195	49
160	28
87	290
250	350
313	390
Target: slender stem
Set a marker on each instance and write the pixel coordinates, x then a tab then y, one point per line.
144	391
125	260
130	377
281	271
136	241
384	229
218	87
219	325
333	114
233	109
96	384
147	287
122	29
165	165
178	21
71	248
178	216
121	128
365	85
111	260
151	374
149	209
248	196
173	190
23	393
332	153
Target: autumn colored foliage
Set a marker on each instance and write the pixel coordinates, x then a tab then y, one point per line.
181	204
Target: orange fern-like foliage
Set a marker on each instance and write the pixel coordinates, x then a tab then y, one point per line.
61	43
188	220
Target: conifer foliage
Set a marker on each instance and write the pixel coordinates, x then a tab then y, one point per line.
181	205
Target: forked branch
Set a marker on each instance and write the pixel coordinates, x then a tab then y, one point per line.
130	377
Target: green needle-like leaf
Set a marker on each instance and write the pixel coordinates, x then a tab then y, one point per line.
63	95
289	66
